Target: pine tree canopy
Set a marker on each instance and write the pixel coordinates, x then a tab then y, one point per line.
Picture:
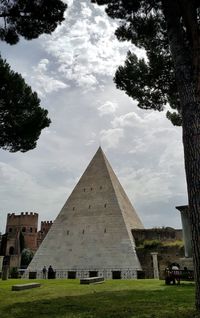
21	117
152	81
29	18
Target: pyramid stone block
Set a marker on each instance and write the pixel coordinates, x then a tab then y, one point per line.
92	233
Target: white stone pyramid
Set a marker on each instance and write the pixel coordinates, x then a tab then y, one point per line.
92	233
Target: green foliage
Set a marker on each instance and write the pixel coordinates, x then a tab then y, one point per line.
26	257
21	241
21	117
149	244
14	272
29	18
149	83
177	243
112	299
175	118
152	81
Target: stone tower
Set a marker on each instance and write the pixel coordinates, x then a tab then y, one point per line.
92	234
27	224
21	232
44	229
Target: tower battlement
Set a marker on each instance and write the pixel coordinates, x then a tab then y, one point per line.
12	215
46	222
25	221
45	226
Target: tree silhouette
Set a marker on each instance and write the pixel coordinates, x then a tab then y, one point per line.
29	18
21	117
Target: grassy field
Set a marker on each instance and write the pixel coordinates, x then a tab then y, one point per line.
112	299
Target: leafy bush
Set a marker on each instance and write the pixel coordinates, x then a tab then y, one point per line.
26	257
151	243
177	243
14	272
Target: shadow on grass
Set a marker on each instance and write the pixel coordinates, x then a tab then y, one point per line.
171	302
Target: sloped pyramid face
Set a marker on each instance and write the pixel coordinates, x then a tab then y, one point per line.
93	229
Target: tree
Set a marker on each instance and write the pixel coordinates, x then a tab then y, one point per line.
21	117
21	241
29	18
169	31
26	257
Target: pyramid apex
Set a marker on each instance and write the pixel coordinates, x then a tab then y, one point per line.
100	151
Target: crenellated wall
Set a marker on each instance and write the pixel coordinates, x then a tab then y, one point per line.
22	232
45	226
44	229
27	224
28	221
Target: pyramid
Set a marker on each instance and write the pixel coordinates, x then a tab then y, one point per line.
92	233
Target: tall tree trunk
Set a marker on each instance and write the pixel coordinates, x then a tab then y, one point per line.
191	142
190	109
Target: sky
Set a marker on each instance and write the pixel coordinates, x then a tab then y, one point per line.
72	71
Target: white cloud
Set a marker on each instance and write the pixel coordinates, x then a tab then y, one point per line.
42	66
110	138
107	108
128	120
88	81
92	139
149	185
43	82
84	46
153	170
86	11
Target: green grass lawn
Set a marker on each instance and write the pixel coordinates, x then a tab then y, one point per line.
112	299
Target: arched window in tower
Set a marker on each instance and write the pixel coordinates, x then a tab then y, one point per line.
23	229
31	229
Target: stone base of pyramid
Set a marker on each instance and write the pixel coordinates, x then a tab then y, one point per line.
115	273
